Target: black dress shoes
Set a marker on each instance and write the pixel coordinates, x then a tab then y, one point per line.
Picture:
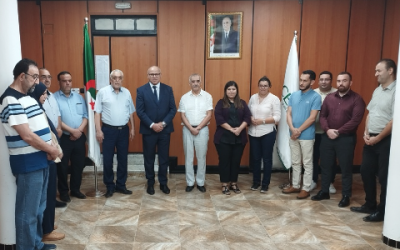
78	194
345	201
164	189
321	196
374	217
65	198
60	204
364	209
109	193
201	189
150	189
123	190
189	188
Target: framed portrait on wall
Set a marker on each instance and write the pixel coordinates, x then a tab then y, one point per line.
224	35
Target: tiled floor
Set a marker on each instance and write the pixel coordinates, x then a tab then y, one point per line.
211	220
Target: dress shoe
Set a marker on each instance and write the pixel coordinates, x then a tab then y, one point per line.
201	188
49	247
321	196
345	201
60	204
150	189
303	194
290	190
374	217
164	189
364	209
109	193
123	190
78	194
65	198
189	188
53	236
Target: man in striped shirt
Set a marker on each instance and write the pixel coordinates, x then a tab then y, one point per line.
29	143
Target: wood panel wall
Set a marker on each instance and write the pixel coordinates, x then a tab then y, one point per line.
364	51
180	53
30	32
333	34
324	31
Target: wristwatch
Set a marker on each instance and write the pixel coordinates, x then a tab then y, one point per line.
263	121
164	124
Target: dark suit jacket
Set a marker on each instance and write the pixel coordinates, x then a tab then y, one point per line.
149	110
229	45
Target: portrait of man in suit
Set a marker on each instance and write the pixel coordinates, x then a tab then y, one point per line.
155	107
226	40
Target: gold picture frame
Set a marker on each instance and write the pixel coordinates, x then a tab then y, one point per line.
224	35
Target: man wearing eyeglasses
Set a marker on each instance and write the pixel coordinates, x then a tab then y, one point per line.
114	106
74	119
53	113
155	107
29	140
324	88
196	109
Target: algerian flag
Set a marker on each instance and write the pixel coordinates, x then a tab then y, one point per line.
90	94
290	85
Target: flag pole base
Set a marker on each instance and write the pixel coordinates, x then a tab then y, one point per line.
95	193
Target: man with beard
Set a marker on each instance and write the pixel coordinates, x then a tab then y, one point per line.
301	114
341	113
324	89
377	138
74	119
29	141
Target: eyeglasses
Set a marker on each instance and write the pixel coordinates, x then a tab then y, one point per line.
325	79
117	78
44	77
35	77
154	75
263	86
193	81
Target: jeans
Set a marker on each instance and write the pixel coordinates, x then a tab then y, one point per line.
262	147
29	207
119	139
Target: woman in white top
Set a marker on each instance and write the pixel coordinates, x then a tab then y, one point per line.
266	113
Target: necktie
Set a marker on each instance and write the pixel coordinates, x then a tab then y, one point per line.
155	92
226	35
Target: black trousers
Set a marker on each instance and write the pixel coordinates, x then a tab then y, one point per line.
74	151
152	144
342	148
229	156
375	162
49	212
316	160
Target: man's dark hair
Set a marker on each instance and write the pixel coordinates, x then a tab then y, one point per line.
326	73
265	79
390	64
22	67
346	73
310	73
62	73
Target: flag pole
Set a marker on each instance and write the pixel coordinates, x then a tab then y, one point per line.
96	192
287	184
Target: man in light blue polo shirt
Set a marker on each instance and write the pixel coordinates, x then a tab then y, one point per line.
301	114
115	107
73	122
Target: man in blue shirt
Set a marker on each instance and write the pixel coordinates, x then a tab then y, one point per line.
301	114
74	120
115	107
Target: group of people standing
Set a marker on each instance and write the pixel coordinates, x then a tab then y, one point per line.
43	128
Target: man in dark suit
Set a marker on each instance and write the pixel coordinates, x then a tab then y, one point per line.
227	40
155	107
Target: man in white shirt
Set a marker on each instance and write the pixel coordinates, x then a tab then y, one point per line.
196	109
